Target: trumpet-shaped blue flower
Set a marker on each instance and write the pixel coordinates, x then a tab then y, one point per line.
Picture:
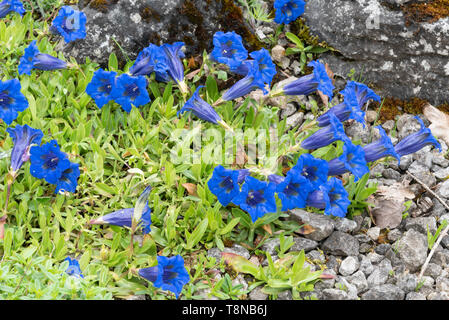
69	179
276	179
325	136
224	184
416	141
352	160
150	59
252	81
123	218
48	162
332	197
12	101
349	109
266	66
363	93
228	49
74	268
169	274
175	68
380	148
200	108
8	6
101	86
243	173
33	59
256	197
130	91
318	80
288	10
70	23
314	169
23	137
294	190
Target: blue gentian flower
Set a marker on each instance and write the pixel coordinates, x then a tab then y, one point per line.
101	86
256	197
416	141
200	108
48	162
288	10
314	169
332	197
228	49
130	91
224	184
352	160
169	274
252	81
69	179
74	268
266	66
243	173
12	101
276	179
123	218
70	23
363	93
8	6
380	148
23	137
325	136
294	190
33	59
150	59
349	109
175	68
318	80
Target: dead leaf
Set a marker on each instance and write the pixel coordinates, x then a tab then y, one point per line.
323	97
190	75
126	154
305	229
192	63
331	75
327	276
191	189
440	122
267	228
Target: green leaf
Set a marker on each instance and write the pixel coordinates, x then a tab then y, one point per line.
228	228
197	234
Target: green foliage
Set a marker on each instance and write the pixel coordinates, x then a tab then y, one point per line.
432	238
306	53
358	192
257	10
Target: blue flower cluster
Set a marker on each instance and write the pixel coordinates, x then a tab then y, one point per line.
288	10
70	24
8	6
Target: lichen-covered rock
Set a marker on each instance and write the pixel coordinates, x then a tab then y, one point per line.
401	57
412	249
134	24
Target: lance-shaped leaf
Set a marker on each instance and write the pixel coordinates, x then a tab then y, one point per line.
140	206
241	264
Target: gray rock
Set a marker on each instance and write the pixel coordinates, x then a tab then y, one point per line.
295	120
366	266
438	296
427	282
257	294
345	225
394	235
334	294
438	208
271	245
322	225
326	283
406	161
415	296
238	249
316	256
303	244
344	284
136	297
443	189
433	270
135	24
365	247
376	171
394	258
214	253
384	292
287	111
362	238
389	125
240	280
442	284
349	265
356	131
440	160
370	116
406	282
423	174
340	243
332	264
373	233
391	174
421	224
412	249
378	276
382	248
442	174
277	53
374	257
285	295
358	279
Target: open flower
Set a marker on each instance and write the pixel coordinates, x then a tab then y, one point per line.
74	268
288	10
48	162
174	67
12	101
252	81
150	59
243	173
313	169
8	6
224	184
416	141
33	59
23	137
69	179
293	190
325	136
70	23
130	91
101	86
228	49
363	93
332	197
266	66
169	274
380	148
352	160
349	109
200	108
256	197
318	80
